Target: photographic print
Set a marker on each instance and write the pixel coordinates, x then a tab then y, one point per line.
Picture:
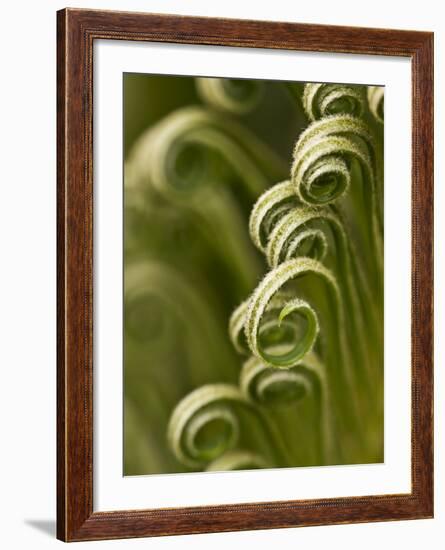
253	274
227	255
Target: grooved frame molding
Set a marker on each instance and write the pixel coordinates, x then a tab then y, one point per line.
76	32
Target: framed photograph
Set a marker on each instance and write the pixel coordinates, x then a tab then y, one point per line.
245	227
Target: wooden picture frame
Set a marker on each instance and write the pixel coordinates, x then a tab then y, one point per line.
76	32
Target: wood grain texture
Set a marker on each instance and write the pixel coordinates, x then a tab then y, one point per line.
76	32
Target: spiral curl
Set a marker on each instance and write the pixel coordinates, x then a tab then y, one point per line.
268	209
267	385
293	237
204	425
193	147
195	420
269	329
322	100
273	283
303	386
320	171
231	95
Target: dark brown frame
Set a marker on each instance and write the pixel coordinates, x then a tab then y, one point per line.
76	32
